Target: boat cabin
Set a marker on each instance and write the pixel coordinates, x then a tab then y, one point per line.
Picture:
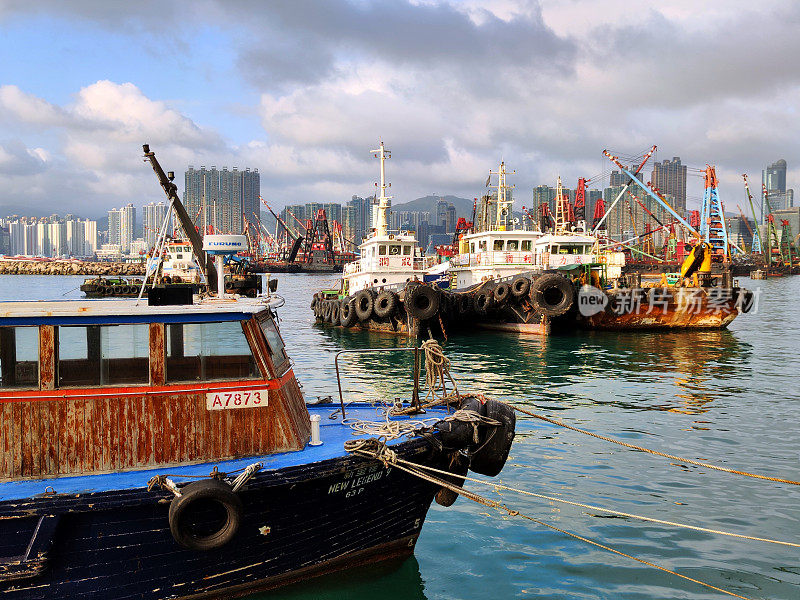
109	385
179	264
386	260
556	250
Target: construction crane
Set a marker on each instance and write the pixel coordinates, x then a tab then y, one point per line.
631	178
757	232
712	217
774	254
747	224
296	242
599	213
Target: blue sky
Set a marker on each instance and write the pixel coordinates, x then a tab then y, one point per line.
302	91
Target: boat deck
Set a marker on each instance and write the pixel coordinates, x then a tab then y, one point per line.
333	434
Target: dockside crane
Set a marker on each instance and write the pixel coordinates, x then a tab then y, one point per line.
296	241
774	254
757	232
206	262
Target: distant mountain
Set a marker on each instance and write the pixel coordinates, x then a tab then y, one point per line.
428	204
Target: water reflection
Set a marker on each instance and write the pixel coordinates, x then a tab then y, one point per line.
391	580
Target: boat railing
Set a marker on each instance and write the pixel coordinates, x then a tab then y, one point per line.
417	356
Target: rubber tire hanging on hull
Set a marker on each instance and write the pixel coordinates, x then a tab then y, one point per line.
552	294
422	302
520	287
458	466
489	457
385	304
484	300
347	313
207	490
364	304
501	293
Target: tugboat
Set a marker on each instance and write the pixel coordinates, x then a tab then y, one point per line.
164	450
384	289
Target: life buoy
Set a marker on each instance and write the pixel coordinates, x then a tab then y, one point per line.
552	294
347	313
208	492
520	287
484	300
385	304
489	456
364	303
422	302
501	293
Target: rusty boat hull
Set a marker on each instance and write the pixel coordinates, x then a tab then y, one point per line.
108	536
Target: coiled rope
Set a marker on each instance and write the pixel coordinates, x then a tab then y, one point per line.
373	448
649	451
437	367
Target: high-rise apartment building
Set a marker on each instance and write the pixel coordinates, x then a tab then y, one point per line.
122	227
669	176
153	215
223	201
773	179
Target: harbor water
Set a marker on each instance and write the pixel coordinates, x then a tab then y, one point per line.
726	397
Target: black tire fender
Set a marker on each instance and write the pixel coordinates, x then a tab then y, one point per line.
422	302
490	455
520	287
484	301
458	465
552	294
501	293
464	302
326	311
459	435
335	313
347	313
208	490
385	304
364	304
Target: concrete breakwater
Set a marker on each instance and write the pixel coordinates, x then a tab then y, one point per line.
69	267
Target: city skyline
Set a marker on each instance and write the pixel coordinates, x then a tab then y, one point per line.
305	100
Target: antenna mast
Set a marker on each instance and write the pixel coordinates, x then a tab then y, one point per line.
503	203
382	226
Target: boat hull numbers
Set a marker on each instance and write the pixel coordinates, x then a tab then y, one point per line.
231	400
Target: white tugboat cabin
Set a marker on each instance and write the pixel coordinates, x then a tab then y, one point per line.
386	258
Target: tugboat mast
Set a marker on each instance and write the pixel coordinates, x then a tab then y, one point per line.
382	224
503	204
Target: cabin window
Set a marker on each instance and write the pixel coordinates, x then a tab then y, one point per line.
103	355
19	357
482	245
498	245
526	245
394	249
512	246
208	351
382	249
274	341
407	250
472	247
180	256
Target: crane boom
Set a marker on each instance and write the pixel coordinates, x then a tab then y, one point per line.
195	239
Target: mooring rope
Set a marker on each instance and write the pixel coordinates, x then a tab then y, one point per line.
378	450
437	367
500	486
649	451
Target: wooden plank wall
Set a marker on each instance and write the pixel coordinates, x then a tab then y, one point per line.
99	434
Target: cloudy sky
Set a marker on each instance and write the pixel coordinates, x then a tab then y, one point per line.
302	90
